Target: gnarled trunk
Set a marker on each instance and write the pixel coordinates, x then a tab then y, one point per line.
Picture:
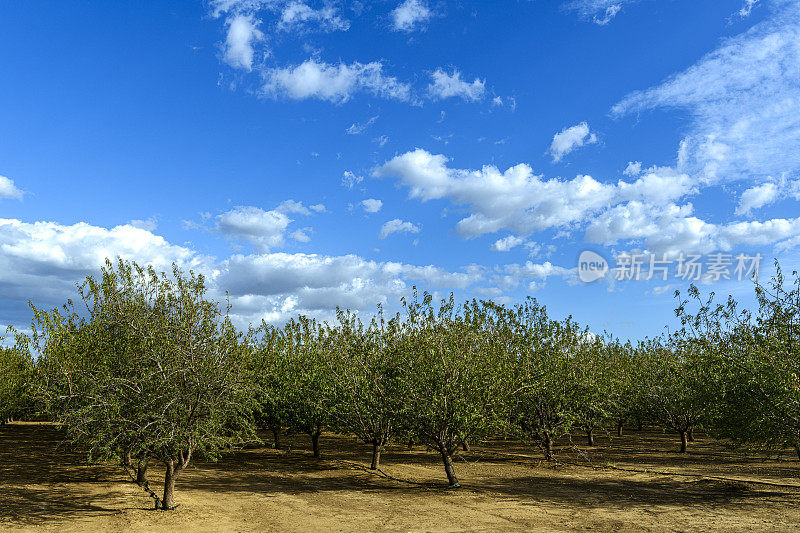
620	423
590	437
465	445
168	501
448	468
548	447
315	443
141	471
683	440
690	435
276	434
376	456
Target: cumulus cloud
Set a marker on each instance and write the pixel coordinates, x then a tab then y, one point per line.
451	85
265	229
569	139
521	201
397	226
410	15
744	101
242	33
507	243
42	261
335	83
8	189
756	197
674	229
371	205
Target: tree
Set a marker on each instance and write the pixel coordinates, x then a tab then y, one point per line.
156	369
542	392
366	379
306	377
675	386
16	370
450	383
752	360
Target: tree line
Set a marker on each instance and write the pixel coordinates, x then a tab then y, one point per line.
146	367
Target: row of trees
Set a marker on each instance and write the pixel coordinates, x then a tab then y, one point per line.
148	368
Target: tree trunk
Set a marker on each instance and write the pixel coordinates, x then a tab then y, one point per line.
376	456
168	501
690	435
276	434
141	471
683	440
639	424
548	447
410	444
315	443
620	423
448	468
126	458
465	446
590	437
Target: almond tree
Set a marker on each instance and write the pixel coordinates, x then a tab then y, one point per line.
16	372
450	382
155	368
366	379
752	359
543	398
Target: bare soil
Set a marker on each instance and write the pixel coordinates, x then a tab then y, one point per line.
634	483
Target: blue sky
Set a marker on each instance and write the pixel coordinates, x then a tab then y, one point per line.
305	155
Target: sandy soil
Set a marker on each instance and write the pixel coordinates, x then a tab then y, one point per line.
633	483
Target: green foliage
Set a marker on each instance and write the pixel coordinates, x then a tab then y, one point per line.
16	380
752	363
155	370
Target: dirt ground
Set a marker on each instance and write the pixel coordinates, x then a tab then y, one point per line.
634	483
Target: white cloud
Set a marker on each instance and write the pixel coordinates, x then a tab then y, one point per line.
410	15
42	261
747	8
242	33
8	189
334	83
371	205
397	226
633	169
350	179
569	139
756	197
521	201
265	229
600	12
674	229
744	101
149	224
301	235
507	243
451	85
356	129
296	14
